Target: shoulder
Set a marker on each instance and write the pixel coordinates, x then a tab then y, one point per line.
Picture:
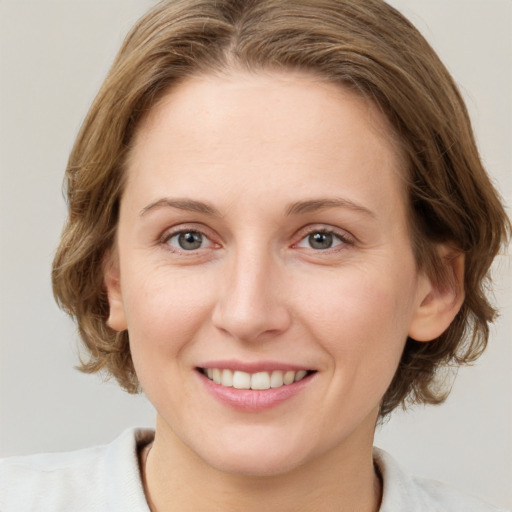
404	492
92	479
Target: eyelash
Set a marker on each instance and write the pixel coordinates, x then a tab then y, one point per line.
343	239
169	235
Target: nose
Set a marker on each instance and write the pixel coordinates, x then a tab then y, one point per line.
251	303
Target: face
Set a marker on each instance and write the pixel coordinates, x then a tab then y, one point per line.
264	269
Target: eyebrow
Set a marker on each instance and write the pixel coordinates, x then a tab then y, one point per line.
313	205
182	204
296	208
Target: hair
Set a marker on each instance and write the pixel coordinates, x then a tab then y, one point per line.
365	45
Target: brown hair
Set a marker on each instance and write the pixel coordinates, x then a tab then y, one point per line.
362	44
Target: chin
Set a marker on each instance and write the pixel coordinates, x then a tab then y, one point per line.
257	467
260	458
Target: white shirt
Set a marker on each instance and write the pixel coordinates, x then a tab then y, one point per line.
107	479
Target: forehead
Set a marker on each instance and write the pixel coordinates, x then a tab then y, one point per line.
211	101
292	130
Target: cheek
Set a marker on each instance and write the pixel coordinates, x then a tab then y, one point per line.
165	312
362	323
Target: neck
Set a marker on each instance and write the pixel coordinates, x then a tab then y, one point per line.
342	480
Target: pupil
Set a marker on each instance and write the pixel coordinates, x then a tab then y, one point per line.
320	240
191	240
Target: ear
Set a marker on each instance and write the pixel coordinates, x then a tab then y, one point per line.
116	317
439	302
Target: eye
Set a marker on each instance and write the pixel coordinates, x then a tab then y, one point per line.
321	240
188	240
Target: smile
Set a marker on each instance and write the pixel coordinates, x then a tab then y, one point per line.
256	381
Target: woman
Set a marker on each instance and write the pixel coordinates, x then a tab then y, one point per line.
279	229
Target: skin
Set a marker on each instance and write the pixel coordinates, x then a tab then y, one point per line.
253	147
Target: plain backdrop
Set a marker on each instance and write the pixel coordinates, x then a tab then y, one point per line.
53	57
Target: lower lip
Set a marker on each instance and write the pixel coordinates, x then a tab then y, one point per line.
250	400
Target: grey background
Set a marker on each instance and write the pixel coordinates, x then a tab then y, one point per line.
53	57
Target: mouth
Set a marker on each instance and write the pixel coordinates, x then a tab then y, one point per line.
238	379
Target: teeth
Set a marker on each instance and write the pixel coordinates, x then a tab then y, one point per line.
227	378
241	380
257	381
289	377
300	375
260	380
276	379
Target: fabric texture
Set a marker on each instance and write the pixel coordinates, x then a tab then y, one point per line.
107	479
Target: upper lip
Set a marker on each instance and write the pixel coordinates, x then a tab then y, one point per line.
253	367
